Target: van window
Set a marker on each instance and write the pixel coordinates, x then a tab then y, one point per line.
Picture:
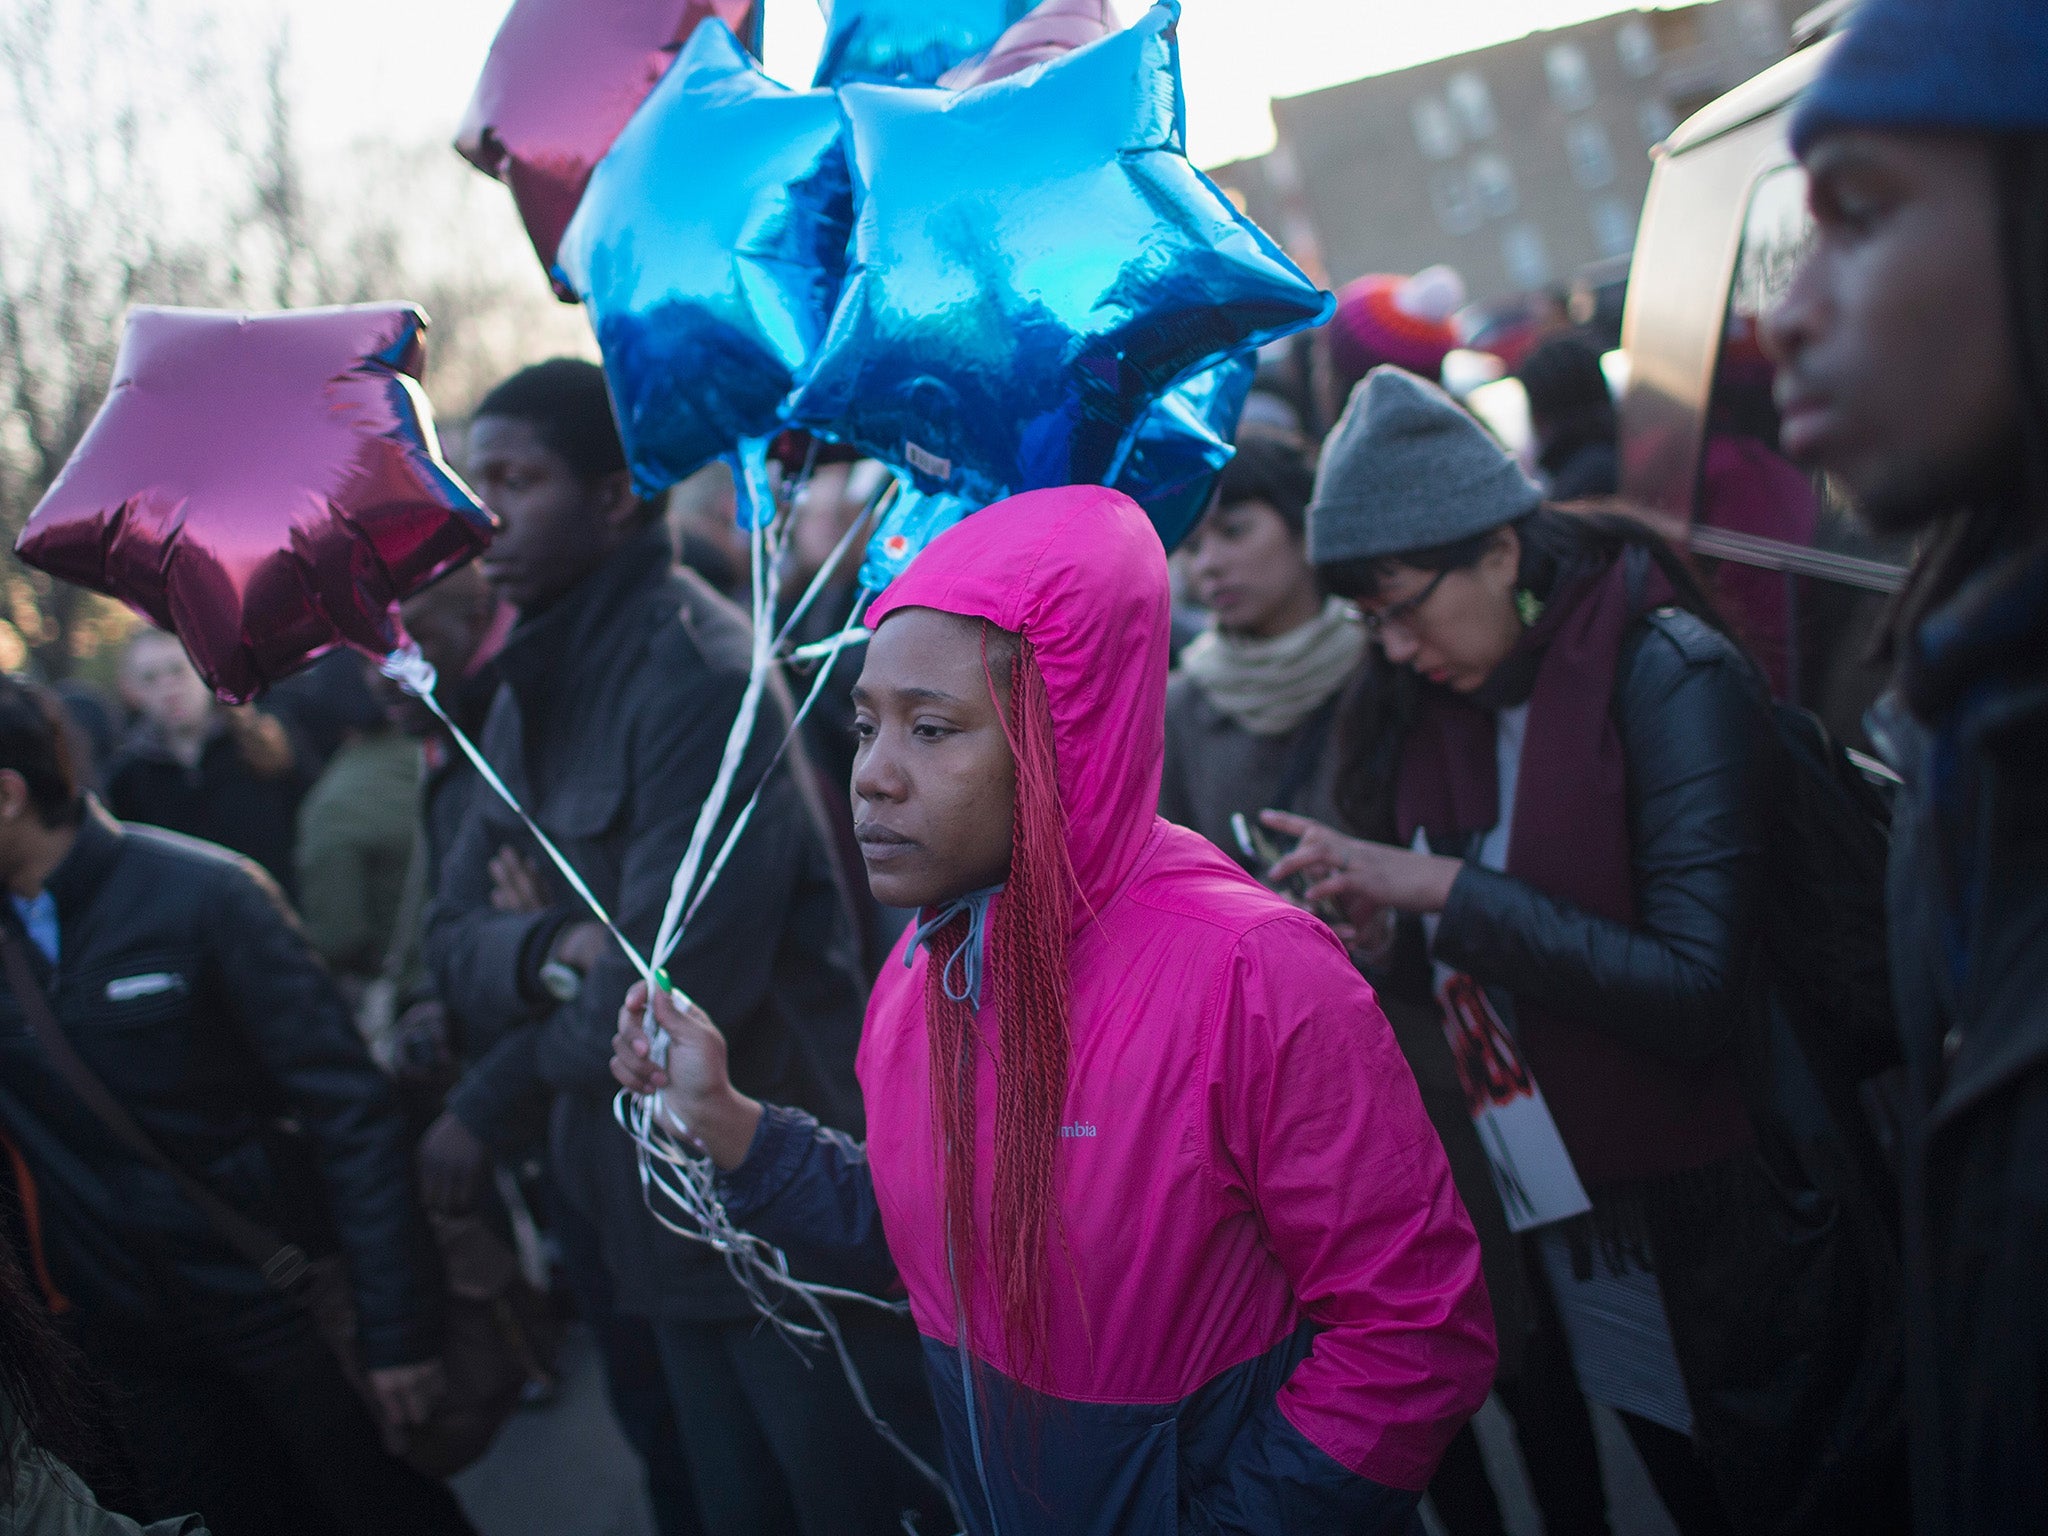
1801	581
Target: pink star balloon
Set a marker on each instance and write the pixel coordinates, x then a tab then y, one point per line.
562	79
268	486
1048	31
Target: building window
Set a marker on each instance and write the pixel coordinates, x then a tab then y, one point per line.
1571	77
1456	209
1763	34
1473	103
1655	120
1636	46
1493	184
1614	226
1591	154
1527	261
1283	171
1436	131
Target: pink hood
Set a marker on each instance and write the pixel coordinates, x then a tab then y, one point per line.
1079	572
1243	1148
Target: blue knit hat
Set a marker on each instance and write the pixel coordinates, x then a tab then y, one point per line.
1976	65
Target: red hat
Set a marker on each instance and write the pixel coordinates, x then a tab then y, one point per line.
1386	318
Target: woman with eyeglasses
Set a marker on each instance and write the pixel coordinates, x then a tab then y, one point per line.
1564	769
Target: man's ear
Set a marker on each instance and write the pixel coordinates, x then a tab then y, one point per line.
14	800
621	505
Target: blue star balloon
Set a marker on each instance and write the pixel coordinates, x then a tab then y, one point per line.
912	521
1181	447
1034	263
908	39
708	252
1183	443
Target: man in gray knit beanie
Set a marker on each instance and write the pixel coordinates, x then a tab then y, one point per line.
1406	468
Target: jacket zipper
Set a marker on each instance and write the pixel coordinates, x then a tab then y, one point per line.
967	1392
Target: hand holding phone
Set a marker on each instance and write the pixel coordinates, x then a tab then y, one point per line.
1264	849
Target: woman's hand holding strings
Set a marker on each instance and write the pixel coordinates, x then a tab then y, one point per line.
693	1083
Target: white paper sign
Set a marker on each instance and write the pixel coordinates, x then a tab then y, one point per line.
1531	1168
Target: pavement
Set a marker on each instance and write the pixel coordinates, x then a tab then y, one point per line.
561	1469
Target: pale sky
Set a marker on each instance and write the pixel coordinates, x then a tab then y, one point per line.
402	69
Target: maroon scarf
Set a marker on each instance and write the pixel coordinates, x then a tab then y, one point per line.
1624	1113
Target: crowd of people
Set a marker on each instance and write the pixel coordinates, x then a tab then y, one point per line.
1229	1016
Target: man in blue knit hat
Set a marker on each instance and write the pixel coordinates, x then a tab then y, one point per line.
1913	353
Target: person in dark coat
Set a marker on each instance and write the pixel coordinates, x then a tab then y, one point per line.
622	680
193	765
1571	411
1567	773
180	978
1913	366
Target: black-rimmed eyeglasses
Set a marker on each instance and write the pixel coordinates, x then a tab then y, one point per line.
1376	620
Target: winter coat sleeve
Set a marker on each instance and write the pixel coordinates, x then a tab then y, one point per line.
477	958
474	952
726	960
808	1190
1318	1128
1696	736
501	1096
289	1012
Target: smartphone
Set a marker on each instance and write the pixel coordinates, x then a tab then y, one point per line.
1265	849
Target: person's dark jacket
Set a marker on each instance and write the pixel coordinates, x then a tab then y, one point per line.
221	799
610	726
185	984
1773	1264
1968	905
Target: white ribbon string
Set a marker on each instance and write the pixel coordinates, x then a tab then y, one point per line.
415	674
765	539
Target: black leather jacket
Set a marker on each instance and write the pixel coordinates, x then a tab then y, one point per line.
1774	1264
185	984
1697	738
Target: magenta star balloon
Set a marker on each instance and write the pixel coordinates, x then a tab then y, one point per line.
268	486
563	77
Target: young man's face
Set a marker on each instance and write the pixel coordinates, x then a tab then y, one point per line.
1896	363
558	526
160	683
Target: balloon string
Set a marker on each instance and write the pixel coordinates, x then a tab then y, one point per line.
824	574
415	674
850	634
689	1182
828	650
769	538
766	549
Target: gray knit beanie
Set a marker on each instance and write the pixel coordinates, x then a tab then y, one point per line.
1405	469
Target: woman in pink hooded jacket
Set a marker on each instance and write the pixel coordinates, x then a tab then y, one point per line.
1182	1246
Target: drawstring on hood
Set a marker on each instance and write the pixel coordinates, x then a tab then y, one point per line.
970	956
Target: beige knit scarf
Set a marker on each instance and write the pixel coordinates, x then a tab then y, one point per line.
1268	687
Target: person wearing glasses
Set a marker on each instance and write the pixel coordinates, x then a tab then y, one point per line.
1565	772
